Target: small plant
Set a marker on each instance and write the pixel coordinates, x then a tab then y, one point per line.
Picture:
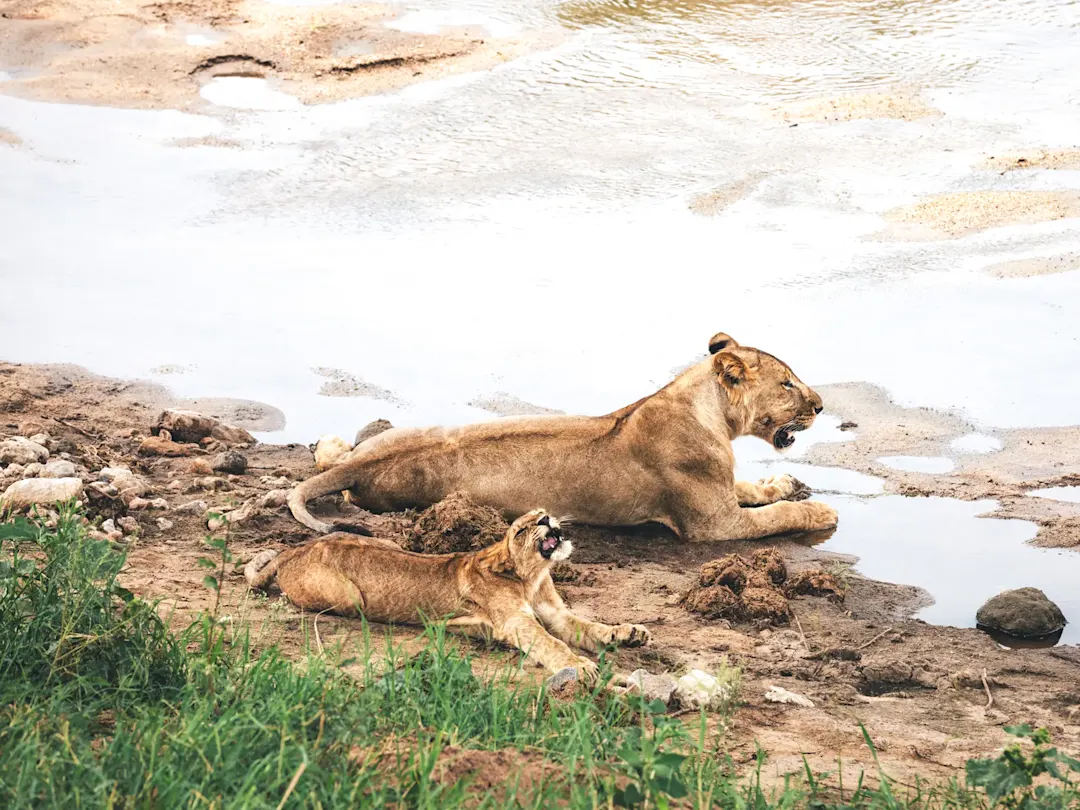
653	775
1009	779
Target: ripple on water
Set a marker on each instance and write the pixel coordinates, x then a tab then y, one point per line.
942	546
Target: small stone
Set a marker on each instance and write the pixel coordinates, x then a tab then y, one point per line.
563	683
274	499
212	483
45	491
108	526
777	694
654	687
40	439
185	426
191	508
232	435
230	462
371	429
697	689
175	486
164	524
277	482
14	471
160	446
1024	612
129	524
19	450
33	470
111	473
59	468
159	503
138	503
200	466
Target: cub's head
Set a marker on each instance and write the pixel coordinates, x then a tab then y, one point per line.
534	540
767	399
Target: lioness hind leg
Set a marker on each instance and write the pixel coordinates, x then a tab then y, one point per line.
767	490
587	635
319	587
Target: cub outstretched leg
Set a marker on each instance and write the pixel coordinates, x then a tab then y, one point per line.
587	635
522	630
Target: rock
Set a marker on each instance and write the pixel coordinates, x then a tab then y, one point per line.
371	429
175	486
33	470
212	483
185	426
654	687
815	583
128	485
1024	612
19	450
159	503
192	508
129	524
232	435
730	570
776	694
135	504
230	462
111	473
329	450
765	604
276	482
161	446
59	468
274	499
200	466
712	602
108	526
14	471
769	561
45	491
233	518
164	524
564	683
41	439
697	689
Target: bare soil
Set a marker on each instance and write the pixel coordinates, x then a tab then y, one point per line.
948	216
136	53
916	687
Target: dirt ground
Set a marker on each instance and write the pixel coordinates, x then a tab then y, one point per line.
918	688
145	54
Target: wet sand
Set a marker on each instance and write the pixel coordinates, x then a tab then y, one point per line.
159	56
1041	266
899	104
1065	159
958	214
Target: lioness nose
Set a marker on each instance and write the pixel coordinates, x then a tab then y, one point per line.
817	403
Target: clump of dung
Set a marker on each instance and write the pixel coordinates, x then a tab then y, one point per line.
815	583
456	523
732	587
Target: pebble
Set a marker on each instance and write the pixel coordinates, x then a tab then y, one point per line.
697	689
230	462
59	468
108	526
128	524
40	438
274	498
19	450
164	524
212	483
563	683
777	694
33	470
175	486
111	473
14	471
191	507
138	503
31	491
161	446
159	503
200	466
654	687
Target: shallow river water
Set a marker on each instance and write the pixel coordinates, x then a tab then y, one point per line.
528	231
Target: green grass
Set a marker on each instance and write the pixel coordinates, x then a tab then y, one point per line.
102	706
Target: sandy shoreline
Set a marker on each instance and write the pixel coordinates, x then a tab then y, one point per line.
159	55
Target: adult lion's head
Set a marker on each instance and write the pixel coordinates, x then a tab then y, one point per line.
767	399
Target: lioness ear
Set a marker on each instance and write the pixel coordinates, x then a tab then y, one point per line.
730	369
721	341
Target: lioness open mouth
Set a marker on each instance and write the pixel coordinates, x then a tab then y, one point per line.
783	439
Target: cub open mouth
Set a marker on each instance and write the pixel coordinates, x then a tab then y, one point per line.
548	544
783	438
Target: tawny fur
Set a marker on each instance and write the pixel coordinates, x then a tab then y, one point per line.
666	458
504	591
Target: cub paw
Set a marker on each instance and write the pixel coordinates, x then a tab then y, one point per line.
588	671
819	515
631	635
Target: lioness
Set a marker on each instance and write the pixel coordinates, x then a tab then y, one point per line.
666	459
504	589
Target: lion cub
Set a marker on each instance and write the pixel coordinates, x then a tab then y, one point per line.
504	590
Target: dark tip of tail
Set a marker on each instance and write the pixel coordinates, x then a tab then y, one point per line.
351	528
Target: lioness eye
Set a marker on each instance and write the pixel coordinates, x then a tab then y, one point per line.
788	384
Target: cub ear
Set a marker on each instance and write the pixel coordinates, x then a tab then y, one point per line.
721	341
731	370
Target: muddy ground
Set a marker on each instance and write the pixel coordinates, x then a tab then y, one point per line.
152	55
916	687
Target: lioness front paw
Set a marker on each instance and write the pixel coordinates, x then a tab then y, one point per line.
819	515
778	486
631	635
